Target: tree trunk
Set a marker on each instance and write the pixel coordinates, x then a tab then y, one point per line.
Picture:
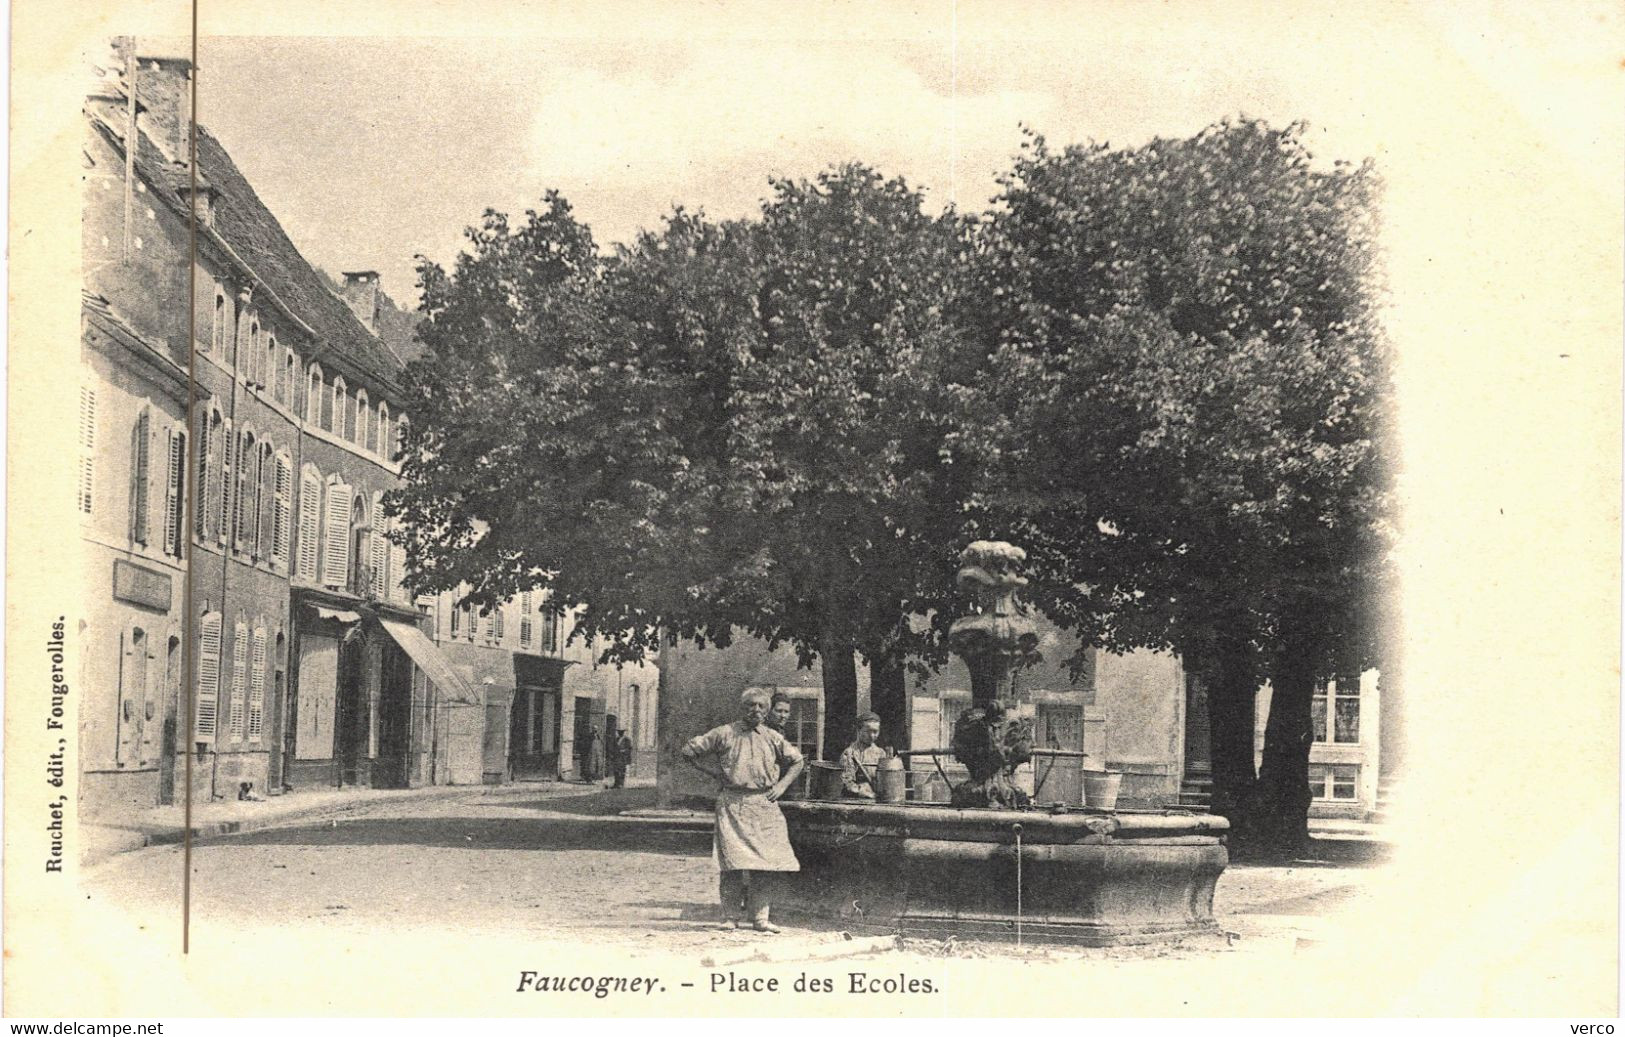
840	696
1281	813
1232	690
888	697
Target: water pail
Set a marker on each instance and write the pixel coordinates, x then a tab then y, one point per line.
1100	789
826	780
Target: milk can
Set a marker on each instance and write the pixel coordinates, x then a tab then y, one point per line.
891	781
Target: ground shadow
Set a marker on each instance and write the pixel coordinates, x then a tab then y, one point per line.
1322	853
480	833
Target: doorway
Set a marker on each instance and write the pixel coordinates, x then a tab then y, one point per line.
351	721
533	742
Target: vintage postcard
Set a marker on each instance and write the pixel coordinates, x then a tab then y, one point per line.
838	509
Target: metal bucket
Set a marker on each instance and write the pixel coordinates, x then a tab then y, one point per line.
1100	789
891	781
826	780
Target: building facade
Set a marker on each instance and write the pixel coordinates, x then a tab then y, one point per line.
240	416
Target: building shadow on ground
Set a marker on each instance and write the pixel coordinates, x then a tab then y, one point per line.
480	833
1324	853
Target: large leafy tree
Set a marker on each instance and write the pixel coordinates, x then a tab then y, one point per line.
750	426
1186	336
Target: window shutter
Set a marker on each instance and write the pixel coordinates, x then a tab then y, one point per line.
173	500
380	565
525	632
223	533
336	537
140	457
156	688
239	664
310	521
265	526
282	510
208	679
397	569
256	688
498	623
490	625
242	468
200	506
87	448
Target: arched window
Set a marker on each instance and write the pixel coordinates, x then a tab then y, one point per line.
254	356
288	380
206	508
335	424
272	374
363	430
401	426
265	515
217	334
386	449
134	675
310	521
314	395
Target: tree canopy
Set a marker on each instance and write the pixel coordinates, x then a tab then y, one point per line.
1158	368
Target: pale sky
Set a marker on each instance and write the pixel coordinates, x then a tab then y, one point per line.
370	149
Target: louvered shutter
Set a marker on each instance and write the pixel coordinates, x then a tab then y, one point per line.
397	570
310	522
208	679
256	688
87	448
525	632
151	703
336	536
498	626
140	458
282	510
223	532
265	526
200	505
380	565
173	501
242	527
239	666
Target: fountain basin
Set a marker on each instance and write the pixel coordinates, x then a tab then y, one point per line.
1086	877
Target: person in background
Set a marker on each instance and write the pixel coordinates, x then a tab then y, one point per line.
592	757
620	755
778	713
859	760
755	765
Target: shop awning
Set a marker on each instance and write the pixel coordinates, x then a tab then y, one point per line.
337	615
429	658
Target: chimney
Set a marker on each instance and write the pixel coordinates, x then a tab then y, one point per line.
164	89
361	294
202	202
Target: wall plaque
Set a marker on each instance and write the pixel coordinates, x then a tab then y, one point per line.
140	585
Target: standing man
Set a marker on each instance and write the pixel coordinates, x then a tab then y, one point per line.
620	754
859	760
752	842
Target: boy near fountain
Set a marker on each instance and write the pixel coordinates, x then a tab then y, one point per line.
755	765
859	760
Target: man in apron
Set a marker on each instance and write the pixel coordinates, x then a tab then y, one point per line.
755	765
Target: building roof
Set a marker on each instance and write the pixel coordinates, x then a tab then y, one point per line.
248	229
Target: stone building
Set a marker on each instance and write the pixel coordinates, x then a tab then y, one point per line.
313	666
1136	713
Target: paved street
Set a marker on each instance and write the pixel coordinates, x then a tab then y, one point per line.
547	860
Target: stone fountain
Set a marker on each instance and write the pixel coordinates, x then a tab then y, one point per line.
991	864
